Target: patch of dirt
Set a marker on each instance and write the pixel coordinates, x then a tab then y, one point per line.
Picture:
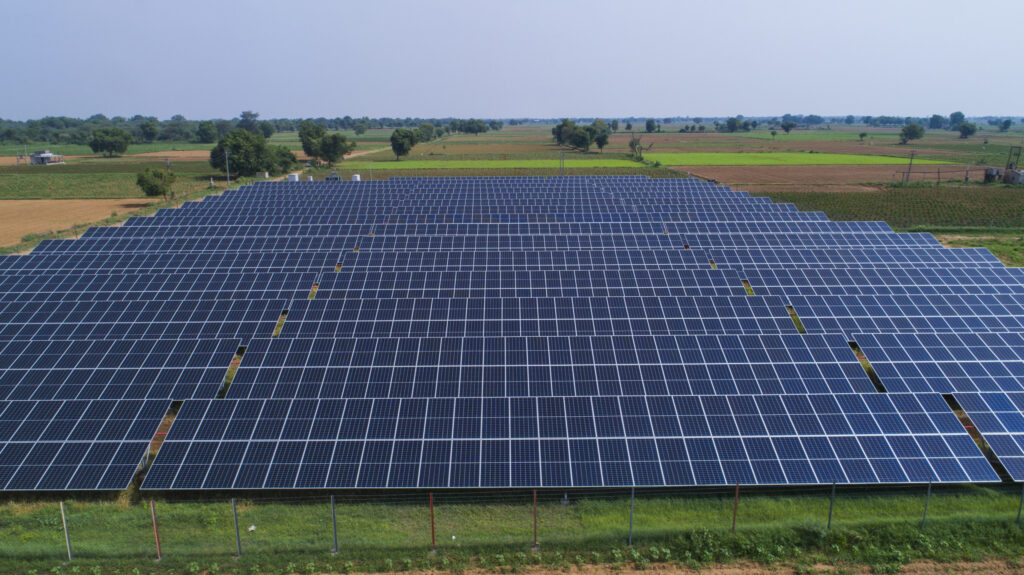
21	217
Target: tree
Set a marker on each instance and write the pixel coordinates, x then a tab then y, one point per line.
1004	126
637	148
207	132
402	141
862	135
955	119
425	132
650	126
600	132
911	132
967	129
360	128
249	154
267	129
936	122
850	119
733	124
773	134
149	130
787	126
310	135
562	131
615	125
155	183
110	141
629	126
580	137
249	122
333	147
698	120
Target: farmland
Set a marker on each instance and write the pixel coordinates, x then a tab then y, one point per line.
833	170
777	159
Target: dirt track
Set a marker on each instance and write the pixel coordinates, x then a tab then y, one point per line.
21	217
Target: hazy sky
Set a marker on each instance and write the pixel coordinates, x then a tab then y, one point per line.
511	58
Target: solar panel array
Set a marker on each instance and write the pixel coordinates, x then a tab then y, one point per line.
506	332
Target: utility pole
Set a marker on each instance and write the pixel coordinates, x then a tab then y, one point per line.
910	167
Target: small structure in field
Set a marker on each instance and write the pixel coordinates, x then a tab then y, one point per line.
44	157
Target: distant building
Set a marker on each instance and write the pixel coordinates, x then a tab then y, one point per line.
43	157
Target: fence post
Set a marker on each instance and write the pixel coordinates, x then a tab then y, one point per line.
433	545
536	547
831	503
632	501
156	531
926	499
334	522
67	536
238	539
735	506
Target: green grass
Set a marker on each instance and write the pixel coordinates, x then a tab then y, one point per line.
83	150
1008	247
380	171
776	159
392	532
441	163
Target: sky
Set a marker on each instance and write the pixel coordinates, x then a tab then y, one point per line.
510	58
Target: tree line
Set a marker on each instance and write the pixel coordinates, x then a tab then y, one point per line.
146	129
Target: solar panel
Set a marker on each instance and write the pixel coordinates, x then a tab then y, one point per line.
507	332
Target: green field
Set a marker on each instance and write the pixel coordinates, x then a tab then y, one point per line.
777	159
83	150
441	164
391	532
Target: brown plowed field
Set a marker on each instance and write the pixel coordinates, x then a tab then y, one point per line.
21	217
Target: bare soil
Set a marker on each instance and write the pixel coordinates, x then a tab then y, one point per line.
21	217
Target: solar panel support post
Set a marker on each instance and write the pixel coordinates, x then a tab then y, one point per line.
536	547
67	536
735	506
632	501
238	539
831	504
156	531
433	546
334	523
1020	507
927	498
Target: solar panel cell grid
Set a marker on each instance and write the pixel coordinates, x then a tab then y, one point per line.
505	332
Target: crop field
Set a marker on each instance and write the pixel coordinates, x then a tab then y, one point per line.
777	159
918	206
492	164
83	150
